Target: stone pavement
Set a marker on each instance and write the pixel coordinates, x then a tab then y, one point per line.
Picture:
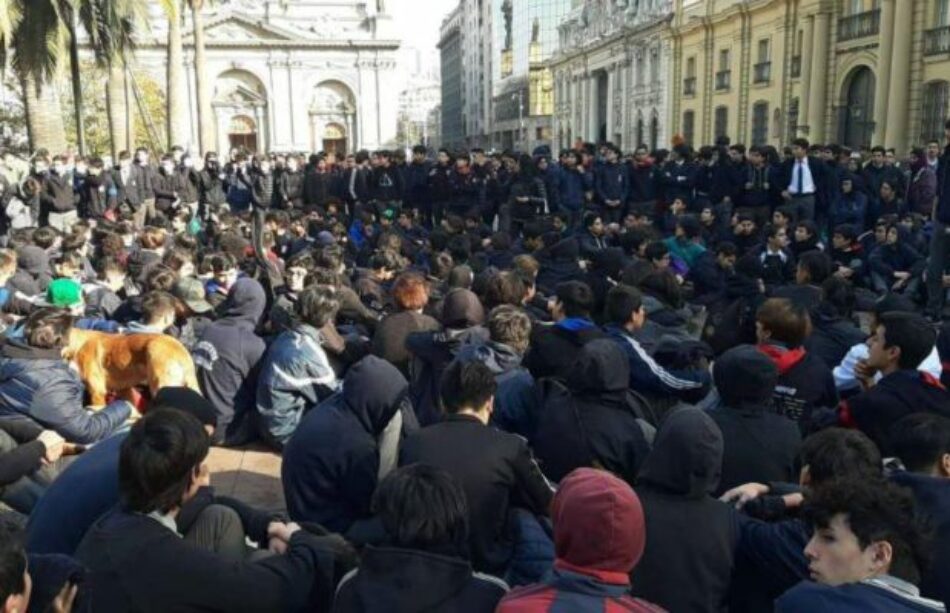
250	474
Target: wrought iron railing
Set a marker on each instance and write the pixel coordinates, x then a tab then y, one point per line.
723	78
937	41
689	86
762	72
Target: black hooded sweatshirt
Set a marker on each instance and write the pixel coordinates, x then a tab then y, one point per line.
691	536
592	421
227	357
331	462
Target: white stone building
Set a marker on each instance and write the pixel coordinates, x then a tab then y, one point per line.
610	74
290	75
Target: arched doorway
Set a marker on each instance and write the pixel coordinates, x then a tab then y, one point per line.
857	114
242	133
334	139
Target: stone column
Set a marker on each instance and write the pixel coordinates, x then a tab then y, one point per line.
808	52
898	95
592	104
882	86
611	77
817	100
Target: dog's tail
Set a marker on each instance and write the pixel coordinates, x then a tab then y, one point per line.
175	372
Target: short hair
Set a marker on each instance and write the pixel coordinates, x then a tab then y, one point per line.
12	561
878	149
526	265
48	328
576	298
7	260
422	507
590	218
466	384
920	440
787	321
622	302
800	142
656	250
876	510
330	257
839	294
317	305
726	248
505	287
840	452
910	332
510	326
817	264
440	265
156	304
158	460
385	260
45	237
152	237
410	291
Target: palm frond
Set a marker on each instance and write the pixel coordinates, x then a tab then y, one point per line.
39	40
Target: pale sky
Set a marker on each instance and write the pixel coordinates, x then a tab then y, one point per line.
419	20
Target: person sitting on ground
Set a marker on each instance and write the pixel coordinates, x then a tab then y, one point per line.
344	446
760	445
599	538
778	262
899	344
710	274
296	374
423	565
36	383
505	488
690	536
847	255
686	245
137	559
227	358
411	295
835	331
866	553
28	454
30	582
895	265
554	347
158	314
804	382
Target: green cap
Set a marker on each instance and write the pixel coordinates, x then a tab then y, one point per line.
64	293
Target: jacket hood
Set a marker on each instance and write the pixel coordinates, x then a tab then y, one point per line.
599	527
745	378
374	389
19	349
461	308
389	579
499	358
246	302
785	359
687	455
564	249
601	366
33	260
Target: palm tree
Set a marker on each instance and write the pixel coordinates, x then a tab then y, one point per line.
177	134
206	131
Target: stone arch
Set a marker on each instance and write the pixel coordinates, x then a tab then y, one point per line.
856	107
239	98
333	114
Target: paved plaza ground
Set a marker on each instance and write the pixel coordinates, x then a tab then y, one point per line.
250	474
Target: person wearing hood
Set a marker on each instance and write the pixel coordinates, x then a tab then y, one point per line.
626	314
346	445
36	383
558	260
804	383
895	265
410	293
834	330
691	537
554	347
593	420
509	331
501	486
227	358
850	205
759	446
734	322
922	444
462	318
33	271
667	314
899	344
599	538
296	374
423	563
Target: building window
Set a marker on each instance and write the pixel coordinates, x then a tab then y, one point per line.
639	129
721	121
724	73
690	68
762	71
689	82
760	123
936	109
654	66
640	68
689	121
764	48
654	131
943	13
723	60
792	120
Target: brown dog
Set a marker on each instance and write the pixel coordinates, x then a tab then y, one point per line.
120	362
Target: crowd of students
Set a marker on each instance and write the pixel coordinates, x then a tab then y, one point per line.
498	382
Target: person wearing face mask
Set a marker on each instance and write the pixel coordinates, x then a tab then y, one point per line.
210	186
167	185
126	179
99	190
262	192
188	183
290	185
147	176
57	205
239	184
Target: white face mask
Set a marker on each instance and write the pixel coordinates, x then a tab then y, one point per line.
142	158
125	164
265	168
292	166
168	168
189	163
59	169
81	169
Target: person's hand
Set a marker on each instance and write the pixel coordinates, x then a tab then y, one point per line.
677	208
742	494
522	199
864	373
898	284
278	535
53	443
63	603
748	185
902	275
787	195
793	501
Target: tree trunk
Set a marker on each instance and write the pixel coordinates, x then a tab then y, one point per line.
76	79
177	105
44	117
206	127
118	109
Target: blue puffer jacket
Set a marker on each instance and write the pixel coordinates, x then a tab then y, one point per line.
38	384
295	376
572	186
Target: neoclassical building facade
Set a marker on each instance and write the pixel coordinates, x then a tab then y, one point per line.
611	74
290	75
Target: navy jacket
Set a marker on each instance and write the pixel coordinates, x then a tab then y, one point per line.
572	187
679	181
38	384
611	183
943	187
872	596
